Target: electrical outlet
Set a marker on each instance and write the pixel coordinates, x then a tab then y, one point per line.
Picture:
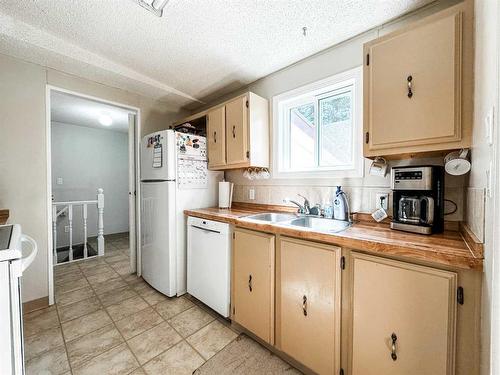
66	228
382	201
251	194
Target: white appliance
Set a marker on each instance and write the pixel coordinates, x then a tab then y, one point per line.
12	266
209	263
174	177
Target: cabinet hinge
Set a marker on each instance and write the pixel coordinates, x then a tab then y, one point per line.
460	295
341	372
367	137
342	262
246	103
248	154
367	59
234	235
234	310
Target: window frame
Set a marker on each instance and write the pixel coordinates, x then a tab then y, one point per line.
315	91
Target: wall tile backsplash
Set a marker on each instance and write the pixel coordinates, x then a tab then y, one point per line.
475	211
361	199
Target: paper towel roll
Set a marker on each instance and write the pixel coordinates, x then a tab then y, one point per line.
225	194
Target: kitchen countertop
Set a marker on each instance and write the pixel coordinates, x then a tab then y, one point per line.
449	248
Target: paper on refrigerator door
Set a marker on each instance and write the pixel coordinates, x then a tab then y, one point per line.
157	156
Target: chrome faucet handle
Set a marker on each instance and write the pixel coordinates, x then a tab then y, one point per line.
301	209
307	205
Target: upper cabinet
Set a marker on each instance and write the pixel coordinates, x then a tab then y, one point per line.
238	133
413	88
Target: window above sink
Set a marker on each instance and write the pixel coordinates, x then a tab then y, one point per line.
318	128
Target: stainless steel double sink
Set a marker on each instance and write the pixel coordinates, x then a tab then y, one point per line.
314	223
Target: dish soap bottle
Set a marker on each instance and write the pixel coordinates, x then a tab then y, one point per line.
340	205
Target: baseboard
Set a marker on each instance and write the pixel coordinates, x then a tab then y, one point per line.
35	304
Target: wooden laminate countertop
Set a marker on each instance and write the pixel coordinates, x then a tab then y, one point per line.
448	248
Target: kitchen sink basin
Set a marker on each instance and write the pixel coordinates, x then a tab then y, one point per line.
271	217
319	224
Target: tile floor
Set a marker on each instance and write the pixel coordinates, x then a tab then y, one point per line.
108	321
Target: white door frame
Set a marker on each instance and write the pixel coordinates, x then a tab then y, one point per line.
134	184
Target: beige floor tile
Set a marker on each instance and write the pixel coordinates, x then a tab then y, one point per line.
179	360
91	263
108	285
53	362
190	321
42	342
66	268
104	275
64	299
85	324
173	306
127	307
99	268
211	339
139	371
68	277
89	346
152	296
40	320
117	258
134	324
133	279
115	296
69	287
124	270
77	309
141	286
116	361
153	342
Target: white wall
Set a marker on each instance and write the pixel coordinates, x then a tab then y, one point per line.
23	148
486	96
87	159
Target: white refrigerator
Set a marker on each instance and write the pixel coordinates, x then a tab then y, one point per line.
174	177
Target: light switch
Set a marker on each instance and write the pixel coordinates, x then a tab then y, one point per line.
251	194
489	124
59	181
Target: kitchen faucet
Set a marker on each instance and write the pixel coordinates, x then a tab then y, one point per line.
302	209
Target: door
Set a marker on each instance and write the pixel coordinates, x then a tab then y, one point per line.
158	234
413	86
216	137
236	131
403	318
308	304
253	282
132	193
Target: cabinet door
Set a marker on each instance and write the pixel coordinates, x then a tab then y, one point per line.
237	131
429	56
308	304
403	318
253	282
216	137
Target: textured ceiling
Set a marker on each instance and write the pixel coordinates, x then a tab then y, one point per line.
70	109
198	49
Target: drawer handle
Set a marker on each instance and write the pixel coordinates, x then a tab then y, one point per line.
410	86
234	131
250	282
394	338
215	137
304	305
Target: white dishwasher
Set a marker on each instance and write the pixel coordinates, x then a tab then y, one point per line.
209	263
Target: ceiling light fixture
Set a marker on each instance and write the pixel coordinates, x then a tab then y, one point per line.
154	6
105	120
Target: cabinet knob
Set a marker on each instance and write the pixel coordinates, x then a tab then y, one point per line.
304	305
250	282
409	81
394	338
215	137
234	131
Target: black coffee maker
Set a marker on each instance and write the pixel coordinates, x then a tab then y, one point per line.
418	199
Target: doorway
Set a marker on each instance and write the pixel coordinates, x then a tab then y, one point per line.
92	187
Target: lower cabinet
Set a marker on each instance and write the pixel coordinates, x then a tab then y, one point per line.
403	318
308	303
253	282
